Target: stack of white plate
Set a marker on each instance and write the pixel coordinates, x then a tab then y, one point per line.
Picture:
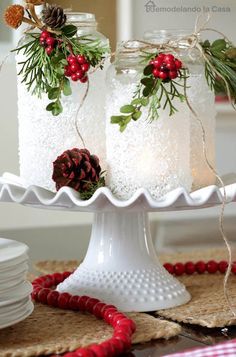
15	300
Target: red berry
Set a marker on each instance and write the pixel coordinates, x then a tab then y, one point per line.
161	56
157	63
49	50
84	79
42	42
63	300
98	309
212	267
52	298
45	34
50	41
222	266
178	64
163	75
73	302
74	67
85	67
200	267
233	268
190	268
84	352
169	58
171	66
156	72
67	71
173	74
179	269
169	267
43	294
83	299
74	77
91	302
98	350
80	74
81	59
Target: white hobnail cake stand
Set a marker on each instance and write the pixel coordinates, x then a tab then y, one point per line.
121	265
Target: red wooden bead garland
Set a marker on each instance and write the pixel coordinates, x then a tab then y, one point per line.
123	326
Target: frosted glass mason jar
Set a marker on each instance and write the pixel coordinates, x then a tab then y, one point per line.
168	152
42	137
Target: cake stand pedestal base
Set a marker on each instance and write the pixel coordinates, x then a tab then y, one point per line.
121	266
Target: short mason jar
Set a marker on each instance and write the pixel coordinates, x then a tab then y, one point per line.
168	152
42	137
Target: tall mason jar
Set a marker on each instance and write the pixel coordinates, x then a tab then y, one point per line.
168	152
42	137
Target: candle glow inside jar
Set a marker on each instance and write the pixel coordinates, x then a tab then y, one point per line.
168	152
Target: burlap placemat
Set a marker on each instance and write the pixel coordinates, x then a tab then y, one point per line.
49	330
59	266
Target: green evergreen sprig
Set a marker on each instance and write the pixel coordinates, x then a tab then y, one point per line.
154	93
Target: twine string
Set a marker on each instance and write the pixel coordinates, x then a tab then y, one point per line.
77	113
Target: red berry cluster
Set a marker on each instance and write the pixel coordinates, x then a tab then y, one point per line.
123	326
165	66
48	41
77	68
200	267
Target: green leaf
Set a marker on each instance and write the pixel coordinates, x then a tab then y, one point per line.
219	45
57	109
69	30
50	107
144	102
115	119
66	87
148	82
148	70
136	101
127	109
147	91
136	115
53	93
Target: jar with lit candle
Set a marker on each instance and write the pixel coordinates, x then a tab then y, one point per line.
167	152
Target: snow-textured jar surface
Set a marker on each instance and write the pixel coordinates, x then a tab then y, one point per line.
42	137
166	153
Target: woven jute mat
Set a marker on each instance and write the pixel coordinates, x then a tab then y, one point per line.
50	330
208	306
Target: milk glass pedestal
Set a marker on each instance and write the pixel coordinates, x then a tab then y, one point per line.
121	266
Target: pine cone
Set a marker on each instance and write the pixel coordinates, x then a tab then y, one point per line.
76	168
53	17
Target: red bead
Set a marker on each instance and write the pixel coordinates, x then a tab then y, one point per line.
91	302
66	274
212	267
169	267
222	266
156	72
39	281
74	77
98	350
43	294
190	268
117	317
108	314
70	354
49	50
82	302
124	338
123	329
34	294
233	268
84	79
169	58
98	309
84	352
127	322
118	345
50	41
80	74
109	348
200	267
73	302
81	59
52	298
178	64
163	75
45	34
173	74
85	67
58	278
63	300
179	269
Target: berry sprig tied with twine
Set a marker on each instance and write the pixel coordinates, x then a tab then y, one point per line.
165	77
55	55
159	85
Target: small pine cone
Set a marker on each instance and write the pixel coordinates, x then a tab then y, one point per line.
53	17
35	2
14	15
76	168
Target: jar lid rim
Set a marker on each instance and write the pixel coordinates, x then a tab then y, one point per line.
80	16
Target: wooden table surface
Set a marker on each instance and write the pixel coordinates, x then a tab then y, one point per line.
191	337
